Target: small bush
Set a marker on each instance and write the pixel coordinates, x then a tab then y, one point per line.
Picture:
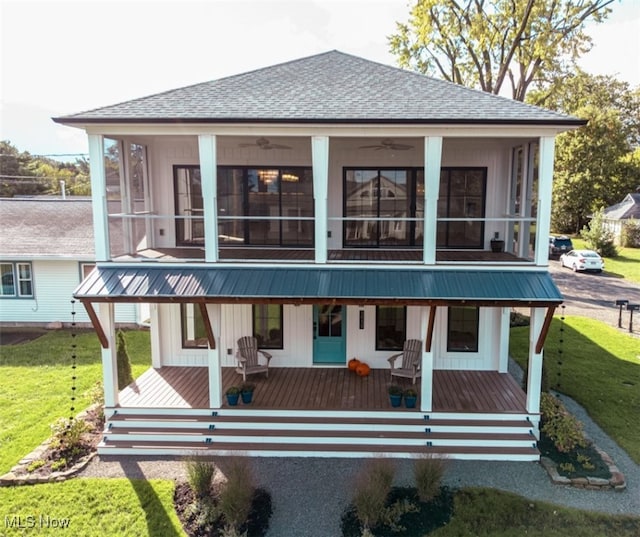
236	495
67	434
630	235
372	487
598	238
60	464
125	376
39	463
564	429
428	472
200	474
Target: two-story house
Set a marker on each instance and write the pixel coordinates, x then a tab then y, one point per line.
331	207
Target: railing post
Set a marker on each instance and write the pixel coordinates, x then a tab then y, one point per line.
320	159
99	197
545	183
432	163
209	175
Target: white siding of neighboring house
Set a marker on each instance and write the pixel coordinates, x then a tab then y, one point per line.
54	282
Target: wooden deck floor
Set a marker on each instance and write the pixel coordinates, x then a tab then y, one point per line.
326	389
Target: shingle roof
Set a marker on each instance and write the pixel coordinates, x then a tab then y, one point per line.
627	209
330	87
38	227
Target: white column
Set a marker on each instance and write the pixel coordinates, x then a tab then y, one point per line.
432	164
109	361
99	197
426	380
504	322
154	336
534	375
209	175
545	185
320	159
214	357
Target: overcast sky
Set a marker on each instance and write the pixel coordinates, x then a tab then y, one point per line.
63	57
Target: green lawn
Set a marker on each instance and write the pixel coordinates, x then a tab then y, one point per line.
625	265
36	385
599	367
93	508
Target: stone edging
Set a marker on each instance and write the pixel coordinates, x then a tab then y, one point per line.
616	481
19	475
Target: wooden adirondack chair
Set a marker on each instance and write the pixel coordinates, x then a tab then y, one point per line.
247	356
411	360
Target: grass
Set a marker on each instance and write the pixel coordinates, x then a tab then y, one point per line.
625	265
36	385
93	507
599	367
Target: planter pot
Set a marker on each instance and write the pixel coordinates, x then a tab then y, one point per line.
497	245
232	398
396	400
247	397
410	401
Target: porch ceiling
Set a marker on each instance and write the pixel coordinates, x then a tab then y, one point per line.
309	285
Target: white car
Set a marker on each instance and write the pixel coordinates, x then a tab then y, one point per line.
582	260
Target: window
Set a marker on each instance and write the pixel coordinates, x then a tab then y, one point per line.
267	325
17	280
387	196
462	196
85	269
194	334
391	327
284	195
462	333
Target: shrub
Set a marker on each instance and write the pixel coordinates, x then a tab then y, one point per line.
67	434
428	472
372	487
200	474
598	238
60	464
630	235
124	363
236	495
560	426
39	463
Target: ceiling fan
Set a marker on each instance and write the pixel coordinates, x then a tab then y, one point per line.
264	143
387	144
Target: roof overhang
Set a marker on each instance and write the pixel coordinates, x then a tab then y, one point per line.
313	285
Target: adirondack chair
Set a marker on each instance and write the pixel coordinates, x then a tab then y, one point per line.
411	360
247	356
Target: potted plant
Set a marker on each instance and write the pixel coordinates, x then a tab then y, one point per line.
497	244
233	394
246	392
410	397
395	395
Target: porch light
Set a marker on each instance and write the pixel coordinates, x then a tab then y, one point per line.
268	176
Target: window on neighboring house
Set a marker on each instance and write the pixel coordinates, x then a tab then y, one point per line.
194	334
284	196
267	325
17	280
391	327
462	329
462	196
85	269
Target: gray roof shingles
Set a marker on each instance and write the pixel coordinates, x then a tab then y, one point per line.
328	87
627	209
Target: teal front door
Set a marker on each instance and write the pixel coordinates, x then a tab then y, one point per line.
329	334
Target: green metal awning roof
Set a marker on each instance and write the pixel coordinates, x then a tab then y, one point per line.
299	285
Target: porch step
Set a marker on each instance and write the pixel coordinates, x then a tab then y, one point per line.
405	435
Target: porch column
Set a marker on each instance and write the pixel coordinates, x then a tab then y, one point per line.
426	380
154	336
504	323
99	197
209	175
109	361
432	163
545	183
320	159
213	357
534	376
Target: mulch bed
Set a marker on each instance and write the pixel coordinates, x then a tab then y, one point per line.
600	468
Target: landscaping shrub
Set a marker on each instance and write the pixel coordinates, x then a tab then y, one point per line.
564	429
123	361
200	475
428	472
630	235
372	487
598	238
236	495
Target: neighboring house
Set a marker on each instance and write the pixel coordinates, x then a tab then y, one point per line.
46	250
623	213
331	207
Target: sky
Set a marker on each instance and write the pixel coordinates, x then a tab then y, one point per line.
61	57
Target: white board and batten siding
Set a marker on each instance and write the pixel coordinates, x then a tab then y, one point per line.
53	284
298	338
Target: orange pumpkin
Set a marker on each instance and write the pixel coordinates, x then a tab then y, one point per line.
353	364
363	370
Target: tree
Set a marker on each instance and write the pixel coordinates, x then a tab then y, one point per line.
599	163
123	362
598	237
482	43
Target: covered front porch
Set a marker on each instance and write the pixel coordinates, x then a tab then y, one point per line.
334	389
